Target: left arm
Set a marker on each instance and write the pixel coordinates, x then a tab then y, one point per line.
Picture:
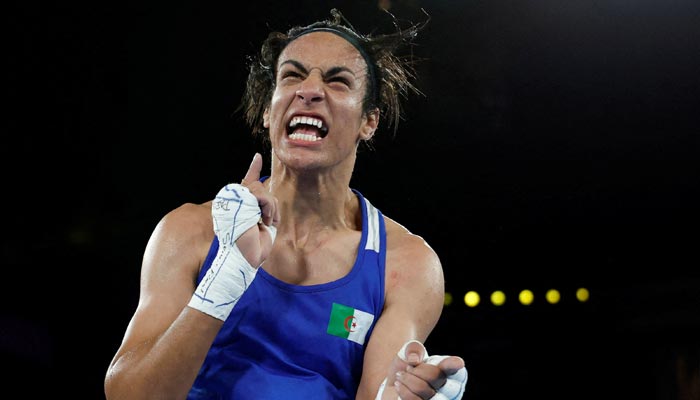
414	296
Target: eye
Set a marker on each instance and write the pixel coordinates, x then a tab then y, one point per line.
290	74
339	79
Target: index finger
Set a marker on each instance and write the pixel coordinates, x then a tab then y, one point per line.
253	174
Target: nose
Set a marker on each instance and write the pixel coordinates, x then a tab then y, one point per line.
311	89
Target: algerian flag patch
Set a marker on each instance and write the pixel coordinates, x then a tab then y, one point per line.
349	323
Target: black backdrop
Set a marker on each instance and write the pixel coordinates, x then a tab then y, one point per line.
556	145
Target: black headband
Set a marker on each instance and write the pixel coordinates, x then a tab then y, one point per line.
353	40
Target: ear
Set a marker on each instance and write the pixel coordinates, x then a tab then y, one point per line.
369	126
266	118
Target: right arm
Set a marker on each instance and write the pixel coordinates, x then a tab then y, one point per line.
166	342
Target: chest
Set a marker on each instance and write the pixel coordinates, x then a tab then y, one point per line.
316	262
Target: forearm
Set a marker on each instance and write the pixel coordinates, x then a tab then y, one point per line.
166	367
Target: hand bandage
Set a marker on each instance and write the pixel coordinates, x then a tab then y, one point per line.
234	211
453	388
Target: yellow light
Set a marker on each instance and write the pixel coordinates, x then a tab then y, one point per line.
498	298
526	297
582	295
472	299
553	296
448	298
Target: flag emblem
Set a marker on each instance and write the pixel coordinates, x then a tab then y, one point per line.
349	323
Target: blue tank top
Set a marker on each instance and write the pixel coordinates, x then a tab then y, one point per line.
285	341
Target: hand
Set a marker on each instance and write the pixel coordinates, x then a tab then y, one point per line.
256	243
414	375
245	241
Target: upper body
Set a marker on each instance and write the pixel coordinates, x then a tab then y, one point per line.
277	335
318	219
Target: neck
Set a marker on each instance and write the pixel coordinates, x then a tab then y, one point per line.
312	200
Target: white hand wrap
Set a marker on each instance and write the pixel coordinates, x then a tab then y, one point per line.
234	211
454	386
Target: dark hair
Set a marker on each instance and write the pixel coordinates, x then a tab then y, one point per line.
392	73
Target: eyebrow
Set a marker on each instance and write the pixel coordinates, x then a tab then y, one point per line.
332	71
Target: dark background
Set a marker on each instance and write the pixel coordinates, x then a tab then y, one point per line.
556	146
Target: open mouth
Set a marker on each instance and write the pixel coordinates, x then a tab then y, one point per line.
306	128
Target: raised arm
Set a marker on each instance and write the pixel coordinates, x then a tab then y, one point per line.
166	341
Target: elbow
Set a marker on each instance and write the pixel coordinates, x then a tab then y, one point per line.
116	385
111	385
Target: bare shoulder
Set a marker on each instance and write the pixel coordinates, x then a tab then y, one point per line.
189	218
414	284
410	256
183	233
186	222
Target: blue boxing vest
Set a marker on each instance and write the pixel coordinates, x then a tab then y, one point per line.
285	341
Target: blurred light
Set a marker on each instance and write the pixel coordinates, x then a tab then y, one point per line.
472	299
498	298
553	296
526	297
448	298
582	295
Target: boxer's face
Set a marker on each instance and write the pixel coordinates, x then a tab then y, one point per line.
316	117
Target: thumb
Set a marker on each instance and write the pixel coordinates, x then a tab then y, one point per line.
253	173
411	354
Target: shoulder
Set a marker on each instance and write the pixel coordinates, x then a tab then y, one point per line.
414	283
186	229
410	257
189	219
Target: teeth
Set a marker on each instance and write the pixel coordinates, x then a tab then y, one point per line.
303	136
306	121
